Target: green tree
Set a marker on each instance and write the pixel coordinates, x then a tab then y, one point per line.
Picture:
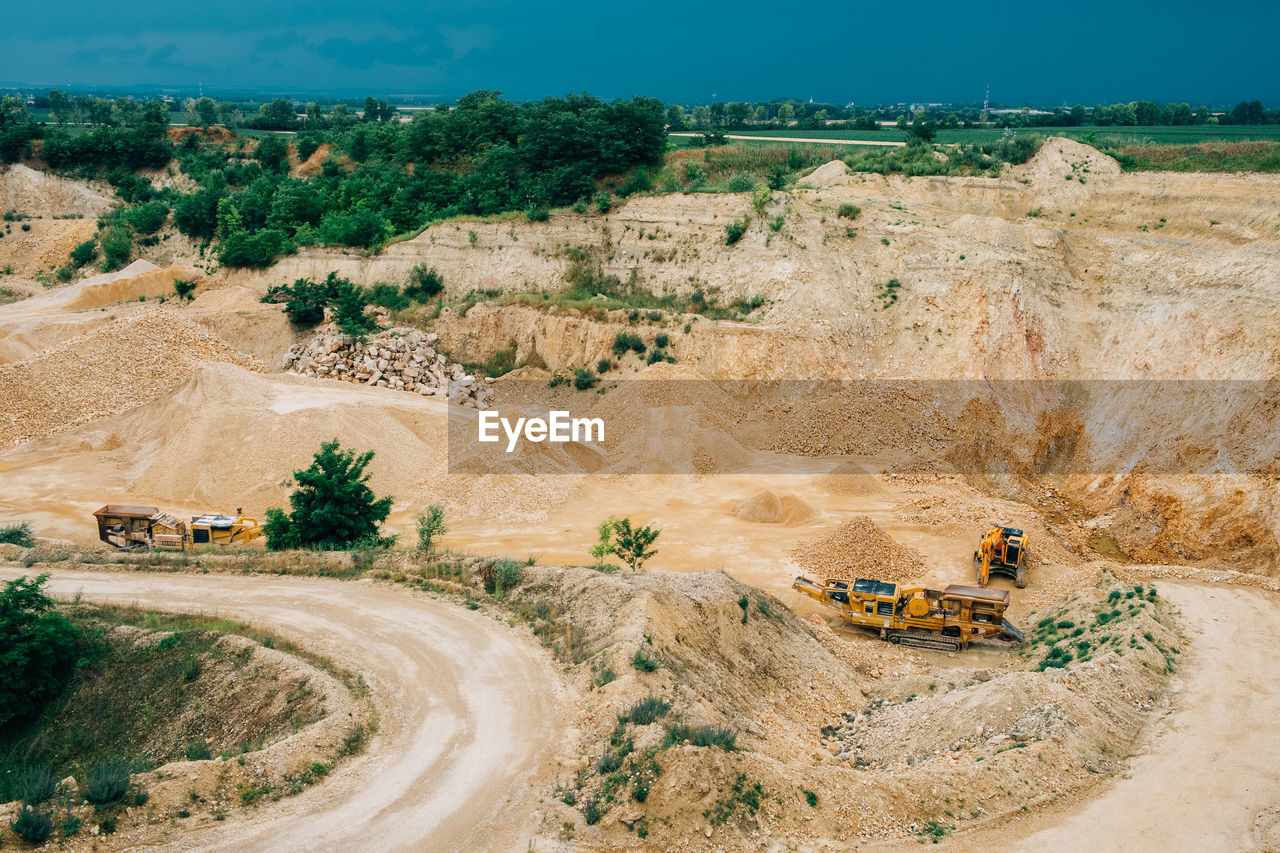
332	506
206	113
604	545
632	544
430	526
60	106
38	649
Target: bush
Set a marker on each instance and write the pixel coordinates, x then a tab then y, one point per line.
332	507
591	812
848	211
424	283
197	750
643	661
584	378
502	575
735	230
147	218
741	183
608	763
538	214
185	289
84	253
349	314
655	355
624	341
720	736
18	533
305	300
38	647
661	341
389	296
117	245
646	711
258	249
33	784
604	365
31	825
107	784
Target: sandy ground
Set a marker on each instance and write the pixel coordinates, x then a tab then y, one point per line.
470	714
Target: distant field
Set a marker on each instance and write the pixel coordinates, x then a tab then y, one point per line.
1158	135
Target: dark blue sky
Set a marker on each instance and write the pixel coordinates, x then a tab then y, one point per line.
933	50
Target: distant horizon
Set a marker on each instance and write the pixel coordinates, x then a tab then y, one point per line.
253	93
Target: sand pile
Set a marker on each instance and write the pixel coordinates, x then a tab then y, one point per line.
107	371
858	548
828	174
849	478
140	278
765	507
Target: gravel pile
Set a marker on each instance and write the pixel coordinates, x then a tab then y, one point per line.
858	549
112	369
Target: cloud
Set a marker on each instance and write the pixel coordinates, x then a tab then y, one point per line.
364	54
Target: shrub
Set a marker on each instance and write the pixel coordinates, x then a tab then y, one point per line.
332	507
591	812
84	253
608	763
33	784
604	202
147	218
430	525
848	211
258	249
31	825
107	825
661	340
389	296
584	378
424	283
117	245
741	183
655	355
197	750
18	533
646	711
185	289
37	645
720	736
604	365
501	576
107	784
643	661
811	798
735	230
537	214
631	544
349	314
624	341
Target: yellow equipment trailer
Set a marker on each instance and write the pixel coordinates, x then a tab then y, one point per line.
129	527
1002	551
915	616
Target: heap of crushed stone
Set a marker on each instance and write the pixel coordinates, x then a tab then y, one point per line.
858	548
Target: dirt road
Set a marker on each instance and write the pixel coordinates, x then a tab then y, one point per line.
1208	777
469	715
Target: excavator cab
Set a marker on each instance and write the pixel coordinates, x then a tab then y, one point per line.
1002	551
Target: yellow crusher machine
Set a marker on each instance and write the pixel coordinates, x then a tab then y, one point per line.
1002	551
945	619
132	527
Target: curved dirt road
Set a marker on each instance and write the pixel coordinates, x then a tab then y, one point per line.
470	716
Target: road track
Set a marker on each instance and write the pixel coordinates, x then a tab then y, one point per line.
470	714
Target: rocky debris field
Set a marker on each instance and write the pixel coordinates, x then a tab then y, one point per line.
402	359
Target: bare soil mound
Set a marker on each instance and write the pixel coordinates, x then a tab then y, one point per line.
828	174
109	370
138	280
25	190
858	548
765	507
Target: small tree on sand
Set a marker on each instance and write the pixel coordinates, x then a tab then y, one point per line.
629	544
430	525
332	507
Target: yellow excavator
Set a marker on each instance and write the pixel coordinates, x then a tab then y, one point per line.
131	527
946	619
1002	551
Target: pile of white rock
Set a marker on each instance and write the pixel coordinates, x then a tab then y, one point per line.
399	358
